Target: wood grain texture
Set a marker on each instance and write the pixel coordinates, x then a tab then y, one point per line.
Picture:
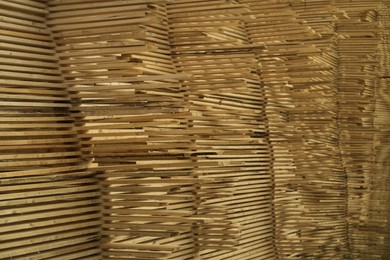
128	102
49	201
226	94
194	129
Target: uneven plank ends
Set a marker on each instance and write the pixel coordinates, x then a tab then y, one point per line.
380	181
132	120
297	70
49	201
209	41
194	129
358	80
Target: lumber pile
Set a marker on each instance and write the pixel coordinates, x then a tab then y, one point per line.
300	89
230	140
132	121
357	78
317	122
274	23
49	201
194	129
380	197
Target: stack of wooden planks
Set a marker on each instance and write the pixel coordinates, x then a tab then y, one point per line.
315	112
133	122
357	79
275	25
296	68
381	179
49	201
209	41
194	129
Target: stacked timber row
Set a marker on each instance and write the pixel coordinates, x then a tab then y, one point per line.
229	141
381	178
323	185
194	129
132	119
49	202
274	24
382	123
297	70
357	80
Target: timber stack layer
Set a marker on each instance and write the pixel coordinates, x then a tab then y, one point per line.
194	129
